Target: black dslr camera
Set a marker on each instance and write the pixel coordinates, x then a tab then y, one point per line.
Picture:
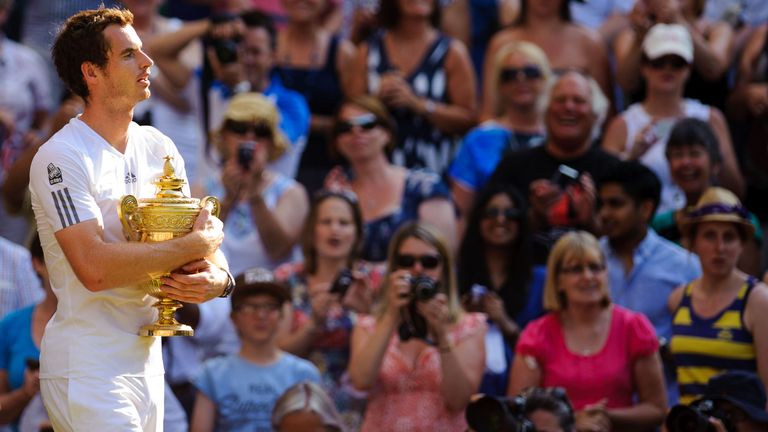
423	288
498	414
695	417
414	325
342	283
225	48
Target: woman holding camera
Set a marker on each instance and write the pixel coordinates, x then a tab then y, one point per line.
606	357
263	211
497	277
364	134
420	356
329	288
719	320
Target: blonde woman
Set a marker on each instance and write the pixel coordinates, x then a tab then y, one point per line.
420	357
263	211
520	74
606	357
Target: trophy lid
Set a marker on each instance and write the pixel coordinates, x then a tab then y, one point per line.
168	184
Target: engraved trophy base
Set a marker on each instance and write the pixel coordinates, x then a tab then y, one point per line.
166	324
169	330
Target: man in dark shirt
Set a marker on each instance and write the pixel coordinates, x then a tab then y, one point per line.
559	176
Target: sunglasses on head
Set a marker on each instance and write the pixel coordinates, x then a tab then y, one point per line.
673	61
260	130
366	122
507	213
528	72
426	261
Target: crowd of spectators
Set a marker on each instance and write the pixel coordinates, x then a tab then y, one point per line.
427	199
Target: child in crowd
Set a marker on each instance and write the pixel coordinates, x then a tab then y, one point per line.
238	392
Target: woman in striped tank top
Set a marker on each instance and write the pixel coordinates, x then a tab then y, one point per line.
720	322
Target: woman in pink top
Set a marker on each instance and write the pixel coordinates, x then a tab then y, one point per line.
420	357
604	356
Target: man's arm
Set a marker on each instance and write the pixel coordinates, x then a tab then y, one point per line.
100	265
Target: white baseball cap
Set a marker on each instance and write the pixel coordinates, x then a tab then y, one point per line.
668	39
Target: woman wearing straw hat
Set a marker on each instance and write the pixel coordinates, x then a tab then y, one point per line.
263	211
719	320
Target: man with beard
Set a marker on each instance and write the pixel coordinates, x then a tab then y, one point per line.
643	267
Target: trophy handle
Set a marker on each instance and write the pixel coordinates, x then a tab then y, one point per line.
214	202
126	211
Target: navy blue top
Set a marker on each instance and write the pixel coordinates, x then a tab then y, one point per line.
321	88
419	143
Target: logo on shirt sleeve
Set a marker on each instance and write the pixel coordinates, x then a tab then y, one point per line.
54	174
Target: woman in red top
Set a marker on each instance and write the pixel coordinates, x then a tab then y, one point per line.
604	356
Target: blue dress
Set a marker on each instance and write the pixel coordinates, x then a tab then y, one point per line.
321	87
419	143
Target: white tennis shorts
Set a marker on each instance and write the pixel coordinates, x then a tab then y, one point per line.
124	403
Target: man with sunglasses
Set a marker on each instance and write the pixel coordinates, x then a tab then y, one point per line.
96	372
247	69
643	267
560	175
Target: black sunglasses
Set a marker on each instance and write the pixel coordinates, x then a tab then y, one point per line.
366	122
427	261
507	213
673	61
260	130
528	72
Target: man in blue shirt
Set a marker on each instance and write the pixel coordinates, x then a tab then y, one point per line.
252	72
643	268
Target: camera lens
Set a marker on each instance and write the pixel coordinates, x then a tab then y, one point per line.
423	287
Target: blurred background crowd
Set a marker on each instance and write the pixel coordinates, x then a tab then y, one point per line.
559	204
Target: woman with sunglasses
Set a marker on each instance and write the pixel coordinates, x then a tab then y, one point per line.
641	132
425	79
263	211
719	320
547	23
713	42
389	195
496	277
606	357
521	71
329	287
419	357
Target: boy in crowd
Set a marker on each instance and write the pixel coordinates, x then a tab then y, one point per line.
238	392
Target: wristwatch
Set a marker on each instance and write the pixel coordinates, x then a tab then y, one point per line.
230	286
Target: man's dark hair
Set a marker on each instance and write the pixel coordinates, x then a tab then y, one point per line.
390	14
80	40
637	181
694	132
257	19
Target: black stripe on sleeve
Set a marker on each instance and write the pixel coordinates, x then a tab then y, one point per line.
65	207
58	209
71	205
